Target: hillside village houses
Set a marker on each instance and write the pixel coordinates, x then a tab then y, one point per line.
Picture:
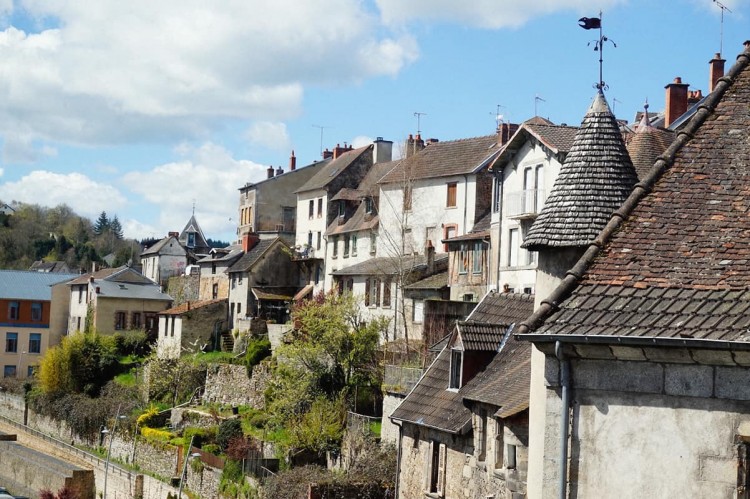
591	281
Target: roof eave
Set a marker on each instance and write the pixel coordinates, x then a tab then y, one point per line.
640	341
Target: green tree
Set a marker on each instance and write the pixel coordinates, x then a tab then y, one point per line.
102	224
321	428
116	227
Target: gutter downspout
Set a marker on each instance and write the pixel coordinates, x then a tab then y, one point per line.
564	418
398	457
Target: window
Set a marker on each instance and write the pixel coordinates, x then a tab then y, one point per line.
13	310
530	257
528	290
373	242
417	311
449	231
450	201
311	209
35	343
30	371
239	308
513	248
135	320
436	472
372	292
481	435
119	321
11	342
191	240
457	357
354	244
239	279
499	445
497	192
387	293
36	312
317	274
320	207
468	297
476	258
309	239
334	246
171	328
342	208
317	243
407	197
213	268
463	258
9	372
215	291
369	205
350	286
510	456
80	294
347	244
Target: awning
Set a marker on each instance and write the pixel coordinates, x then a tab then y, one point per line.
304	292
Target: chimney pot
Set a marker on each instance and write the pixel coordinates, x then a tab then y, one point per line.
676	101
715	71
279	171
269	171
292	162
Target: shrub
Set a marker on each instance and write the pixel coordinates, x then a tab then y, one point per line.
200	436
212	448
228	430
150	418
257	350
132	343
154	434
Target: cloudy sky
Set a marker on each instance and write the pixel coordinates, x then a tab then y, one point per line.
144	108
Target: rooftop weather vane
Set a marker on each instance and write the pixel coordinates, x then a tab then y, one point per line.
594	23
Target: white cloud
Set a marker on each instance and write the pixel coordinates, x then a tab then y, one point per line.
490	14
272	135
208	176
2	172
85	196
113	71
360	141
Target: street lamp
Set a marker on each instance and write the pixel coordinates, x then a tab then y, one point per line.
183	476
105	431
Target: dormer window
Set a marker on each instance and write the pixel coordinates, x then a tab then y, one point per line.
369	205
342	208
191	240
457	357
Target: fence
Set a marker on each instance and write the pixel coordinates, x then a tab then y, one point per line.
258	466
361	423
399	379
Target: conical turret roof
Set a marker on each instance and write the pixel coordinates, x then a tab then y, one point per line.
594	181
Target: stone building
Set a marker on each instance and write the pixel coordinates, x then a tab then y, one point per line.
214	275
644	342
190	328
464	427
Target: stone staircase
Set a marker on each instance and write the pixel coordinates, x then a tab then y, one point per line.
227	341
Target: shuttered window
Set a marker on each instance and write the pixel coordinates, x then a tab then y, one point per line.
451	197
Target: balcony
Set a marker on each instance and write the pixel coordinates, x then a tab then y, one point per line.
524	205
300	253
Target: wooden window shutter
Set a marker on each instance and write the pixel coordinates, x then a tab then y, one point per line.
377	292
428	467
387	293
367	292
441	471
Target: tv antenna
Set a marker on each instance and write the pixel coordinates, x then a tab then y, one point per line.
615	100
537	100
419	119
498	117
321	127
721	33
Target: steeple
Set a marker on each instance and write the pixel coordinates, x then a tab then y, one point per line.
594	181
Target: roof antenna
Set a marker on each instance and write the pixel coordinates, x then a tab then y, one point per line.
721	34
537	100
498	117
322	127
594	23
419	118
193	207
614	103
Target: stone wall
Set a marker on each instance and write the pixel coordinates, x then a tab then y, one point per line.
388	430
229	385
184	288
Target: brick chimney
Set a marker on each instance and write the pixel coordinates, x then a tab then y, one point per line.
279	171
292	162
338	150
269	171
429	252
249	241
715	71
414	145
694	96
504	132
327	154
676	102
173	234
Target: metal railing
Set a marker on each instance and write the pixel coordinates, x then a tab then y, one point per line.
525	202
96	460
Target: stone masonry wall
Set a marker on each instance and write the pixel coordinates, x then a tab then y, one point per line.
388	430
184	288
229	385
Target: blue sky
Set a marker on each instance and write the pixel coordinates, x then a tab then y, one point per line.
143	108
